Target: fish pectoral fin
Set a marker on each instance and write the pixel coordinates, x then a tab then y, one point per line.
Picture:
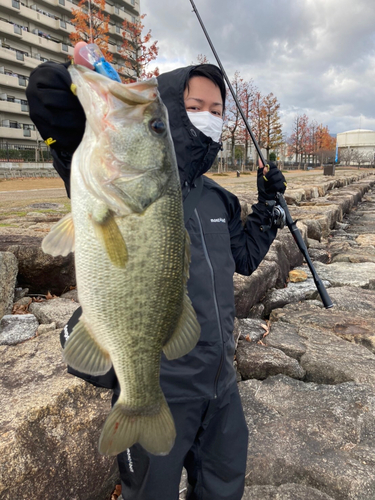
60	240
153	428
109	234
186	334
83	353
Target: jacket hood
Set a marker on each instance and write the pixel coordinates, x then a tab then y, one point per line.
195	151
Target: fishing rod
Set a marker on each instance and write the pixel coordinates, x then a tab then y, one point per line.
292	225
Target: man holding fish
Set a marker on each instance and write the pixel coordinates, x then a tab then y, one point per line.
132	182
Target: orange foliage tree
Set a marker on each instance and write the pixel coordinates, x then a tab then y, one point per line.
310	141
137	51
91	25
325	143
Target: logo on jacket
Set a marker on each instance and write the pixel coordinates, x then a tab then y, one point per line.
220	219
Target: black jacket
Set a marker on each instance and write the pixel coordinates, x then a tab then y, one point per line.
220	245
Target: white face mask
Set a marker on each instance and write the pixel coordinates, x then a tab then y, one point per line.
206	122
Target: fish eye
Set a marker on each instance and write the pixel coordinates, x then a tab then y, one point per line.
157	126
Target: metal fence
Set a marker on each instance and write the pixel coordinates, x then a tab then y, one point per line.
19	153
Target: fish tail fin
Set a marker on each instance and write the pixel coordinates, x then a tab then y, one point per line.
152	427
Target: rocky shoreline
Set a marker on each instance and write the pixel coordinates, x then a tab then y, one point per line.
306	374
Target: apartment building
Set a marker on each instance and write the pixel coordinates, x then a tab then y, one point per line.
34	31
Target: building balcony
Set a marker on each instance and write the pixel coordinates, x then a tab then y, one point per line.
10	31
116	31
18	58
45	20
13	82
115	11
8	133
37	39
10	5
62	6
14	107
132	6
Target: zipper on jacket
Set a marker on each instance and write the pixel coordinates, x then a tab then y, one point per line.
215	303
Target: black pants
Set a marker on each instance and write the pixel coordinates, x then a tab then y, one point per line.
211	444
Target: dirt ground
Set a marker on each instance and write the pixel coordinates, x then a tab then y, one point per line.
27	184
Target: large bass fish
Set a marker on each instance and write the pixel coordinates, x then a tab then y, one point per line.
131	256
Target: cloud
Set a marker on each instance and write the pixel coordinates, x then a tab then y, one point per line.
316	56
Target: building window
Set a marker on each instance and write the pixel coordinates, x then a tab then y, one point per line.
24	107
64	47
133	2
22	81
19	55
62	24
15	4
133	19
26	132
118	29
17	29
117	10
14	125
62	2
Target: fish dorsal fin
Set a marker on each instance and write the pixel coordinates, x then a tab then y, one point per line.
83	353
186	334
60	240
109	235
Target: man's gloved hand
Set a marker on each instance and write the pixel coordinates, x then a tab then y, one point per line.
269	183
54	109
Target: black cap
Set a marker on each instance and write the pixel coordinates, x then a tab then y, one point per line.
54	109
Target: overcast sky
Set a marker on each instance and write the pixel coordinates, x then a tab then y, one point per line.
316	56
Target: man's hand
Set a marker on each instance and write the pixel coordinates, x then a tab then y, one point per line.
270	181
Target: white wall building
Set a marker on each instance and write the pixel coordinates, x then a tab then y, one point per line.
34	31
356	144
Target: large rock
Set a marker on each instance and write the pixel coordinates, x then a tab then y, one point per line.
314	229
352	324
346	250
278	254
54	310
359	301
259	361
50	424
249	290
345	273
289	246
15	329
8	276
42	273
319	435
293	293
